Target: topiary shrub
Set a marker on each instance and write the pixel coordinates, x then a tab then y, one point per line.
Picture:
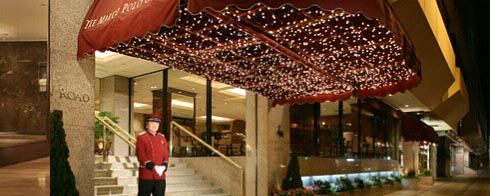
293	178
62	179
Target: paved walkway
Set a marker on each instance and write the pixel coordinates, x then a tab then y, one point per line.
455	186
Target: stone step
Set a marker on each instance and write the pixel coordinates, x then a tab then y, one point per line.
184	190
170	180
109	190
194	192
103	165
101	181
200	185
103	173
119	176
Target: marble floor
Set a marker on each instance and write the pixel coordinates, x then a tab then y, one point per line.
26	178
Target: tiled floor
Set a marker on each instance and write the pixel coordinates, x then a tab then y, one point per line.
27	178
455	186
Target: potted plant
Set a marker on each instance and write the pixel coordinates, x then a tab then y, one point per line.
426	177
98	134
409	180
323	187
345	186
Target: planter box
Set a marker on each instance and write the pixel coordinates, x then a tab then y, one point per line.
410	183
373	191
426	180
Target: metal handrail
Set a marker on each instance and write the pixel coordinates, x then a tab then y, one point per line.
117	130
242	171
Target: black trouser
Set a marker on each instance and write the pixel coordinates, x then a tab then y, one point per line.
147	187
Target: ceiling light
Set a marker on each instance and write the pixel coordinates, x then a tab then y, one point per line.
237	91
182	103
104	55
406	105
217	118
139	105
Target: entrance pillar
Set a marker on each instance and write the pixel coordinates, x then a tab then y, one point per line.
72	84
114	92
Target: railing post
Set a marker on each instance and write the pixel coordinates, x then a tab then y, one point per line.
104	152
243	182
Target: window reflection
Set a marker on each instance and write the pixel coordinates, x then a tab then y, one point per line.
340	129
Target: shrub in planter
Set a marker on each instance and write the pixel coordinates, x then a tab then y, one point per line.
359	183
293	178
293	192
98	126
387	180
62	179
376	181
368	183
345	184
426	172
323	187
411	173
396	178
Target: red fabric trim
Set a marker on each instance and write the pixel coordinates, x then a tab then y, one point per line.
401	86
369	7
415	130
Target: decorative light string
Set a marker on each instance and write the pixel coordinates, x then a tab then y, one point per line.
360	53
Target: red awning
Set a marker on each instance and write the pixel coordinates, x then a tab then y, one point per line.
294	51
415	130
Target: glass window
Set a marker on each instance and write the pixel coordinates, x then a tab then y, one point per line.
335	129
187	93
228	118
147	98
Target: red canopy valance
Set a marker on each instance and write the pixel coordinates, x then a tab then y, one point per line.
292	51
415	130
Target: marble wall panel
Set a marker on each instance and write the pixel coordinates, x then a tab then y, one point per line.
23	106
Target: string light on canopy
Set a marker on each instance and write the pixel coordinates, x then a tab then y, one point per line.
288	54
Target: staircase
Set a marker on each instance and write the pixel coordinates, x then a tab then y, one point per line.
119	177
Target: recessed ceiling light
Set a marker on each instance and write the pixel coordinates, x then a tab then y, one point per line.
182	103
237	91
139	105
216	118
104	55
406	105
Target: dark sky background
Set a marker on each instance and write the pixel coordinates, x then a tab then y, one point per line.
475	23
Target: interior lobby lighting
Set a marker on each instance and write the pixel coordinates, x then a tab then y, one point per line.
202	81
139	105
237	91
104	55
217	118
182	104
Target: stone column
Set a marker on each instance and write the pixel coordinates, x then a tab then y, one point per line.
278	146
114	98
72	84
459	160
433	159
411	155
267	154
251	168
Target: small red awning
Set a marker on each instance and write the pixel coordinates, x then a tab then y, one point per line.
291	51
415	130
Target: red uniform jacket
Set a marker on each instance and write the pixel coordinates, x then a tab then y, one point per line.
151	148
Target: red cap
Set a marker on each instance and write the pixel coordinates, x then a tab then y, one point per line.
155	117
